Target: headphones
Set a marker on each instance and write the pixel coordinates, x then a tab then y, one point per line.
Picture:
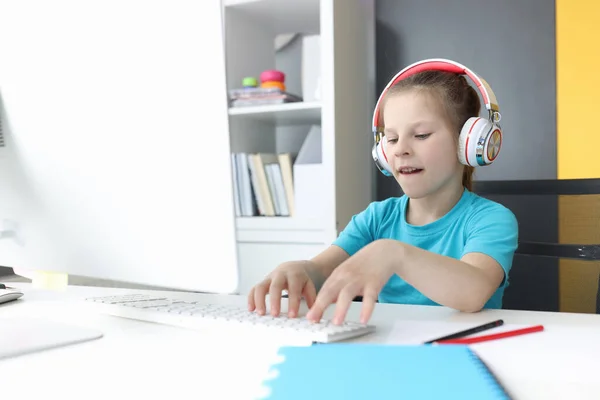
480	139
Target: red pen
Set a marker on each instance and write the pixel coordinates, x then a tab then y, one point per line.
501	335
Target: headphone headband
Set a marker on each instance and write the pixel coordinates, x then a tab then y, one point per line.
440	64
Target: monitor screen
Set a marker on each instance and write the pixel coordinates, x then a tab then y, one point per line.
115	161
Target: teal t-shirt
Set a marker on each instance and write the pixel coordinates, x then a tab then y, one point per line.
474	224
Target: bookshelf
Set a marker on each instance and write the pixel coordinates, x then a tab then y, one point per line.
301	113
341	183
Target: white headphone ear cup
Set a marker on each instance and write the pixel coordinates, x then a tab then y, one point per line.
380	159
472	132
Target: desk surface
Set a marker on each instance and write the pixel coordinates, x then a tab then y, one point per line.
144	360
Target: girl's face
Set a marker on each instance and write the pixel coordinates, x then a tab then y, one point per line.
420	144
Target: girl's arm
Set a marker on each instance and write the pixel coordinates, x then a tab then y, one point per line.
465	284
322	265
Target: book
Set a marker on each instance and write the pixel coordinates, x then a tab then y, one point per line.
376	371
286	163
260	183
263	184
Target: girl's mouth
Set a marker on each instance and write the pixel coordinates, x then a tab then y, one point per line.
409	170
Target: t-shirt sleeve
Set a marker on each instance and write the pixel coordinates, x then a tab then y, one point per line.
359	232
494	232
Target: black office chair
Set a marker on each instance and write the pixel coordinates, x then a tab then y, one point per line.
540	207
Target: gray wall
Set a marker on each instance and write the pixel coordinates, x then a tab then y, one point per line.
510	43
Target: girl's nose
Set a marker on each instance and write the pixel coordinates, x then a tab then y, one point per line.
402	147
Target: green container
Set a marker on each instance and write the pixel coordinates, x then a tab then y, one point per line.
249	81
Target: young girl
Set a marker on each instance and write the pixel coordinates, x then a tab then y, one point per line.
438	244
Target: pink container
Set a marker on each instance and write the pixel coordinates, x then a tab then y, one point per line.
272	75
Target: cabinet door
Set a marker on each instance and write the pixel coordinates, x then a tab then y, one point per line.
257	260
116	162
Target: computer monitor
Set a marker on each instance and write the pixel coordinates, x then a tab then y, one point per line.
116	160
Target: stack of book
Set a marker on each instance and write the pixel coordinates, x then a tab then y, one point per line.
245	97
263	184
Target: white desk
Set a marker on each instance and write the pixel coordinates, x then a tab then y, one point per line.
142	360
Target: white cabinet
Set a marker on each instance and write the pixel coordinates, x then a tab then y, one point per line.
342	111
256	260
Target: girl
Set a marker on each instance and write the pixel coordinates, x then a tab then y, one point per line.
438	244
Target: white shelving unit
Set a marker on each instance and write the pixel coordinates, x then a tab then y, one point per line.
281	114
344	183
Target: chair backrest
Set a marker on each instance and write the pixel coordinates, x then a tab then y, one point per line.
557	264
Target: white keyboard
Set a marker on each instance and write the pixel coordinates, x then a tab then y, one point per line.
199	315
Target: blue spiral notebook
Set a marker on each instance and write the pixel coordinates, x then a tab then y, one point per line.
371	371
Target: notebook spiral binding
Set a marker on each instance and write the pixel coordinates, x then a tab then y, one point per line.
502	392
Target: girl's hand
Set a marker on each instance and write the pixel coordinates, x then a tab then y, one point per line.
364	274
293	276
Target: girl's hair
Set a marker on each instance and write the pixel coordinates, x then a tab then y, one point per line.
459	99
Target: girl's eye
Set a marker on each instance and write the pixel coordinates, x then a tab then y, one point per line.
392	140
423	136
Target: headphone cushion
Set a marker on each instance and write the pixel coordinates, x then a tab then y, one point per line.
380	151
473	131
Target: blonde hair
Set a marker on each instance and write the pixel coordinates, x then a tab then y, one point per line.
459	99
